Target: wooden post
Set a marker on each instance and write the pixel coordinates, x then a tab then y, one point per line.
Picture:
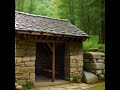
53	63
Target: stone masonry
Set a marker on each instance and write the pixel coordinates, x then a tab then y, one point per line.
73	60
94	62
25	56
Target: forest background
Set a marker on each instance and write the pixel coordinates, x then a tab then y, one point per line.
87	15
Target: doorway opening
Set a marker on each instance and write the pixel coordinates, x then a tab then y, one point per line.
43	63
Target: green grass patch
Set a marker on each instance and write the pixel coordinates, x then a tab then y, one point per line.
92	42
97	88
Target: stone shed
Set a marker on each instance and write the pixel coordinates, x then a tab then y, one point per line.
47	47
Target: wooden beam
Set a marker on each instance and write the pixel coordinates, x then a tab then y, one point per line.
63	38
66	38
36	37
50	47
46	37
58	38
73	38
41	36
53	63
25	36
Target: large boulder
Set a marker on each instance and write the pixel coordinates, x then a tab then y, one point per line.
89	77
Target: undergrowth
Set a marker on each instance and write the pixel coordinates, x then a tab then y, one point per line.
92	42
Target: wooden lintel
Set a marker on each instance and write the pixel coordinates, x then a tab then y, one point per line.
53	63
50	47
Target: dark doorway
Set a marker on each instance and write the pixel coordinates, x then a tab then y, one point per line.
43	64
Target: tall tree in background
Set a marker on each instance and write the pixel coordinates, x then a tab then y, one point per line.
102	21
88	15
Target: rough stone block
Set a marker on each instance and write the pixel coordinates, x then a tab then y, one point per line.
32	76
19	64
104	71
23	76
23	46
21	42
17	69
101	77
86	60
73	69
30	64
72	64
22	82
79	57
30	52
80	63
27	58
33	58
92	71
27	69
32	47
72	57
80	69
19	52
95	66
89	77
100	61
98	72
19	59
17	46
92	60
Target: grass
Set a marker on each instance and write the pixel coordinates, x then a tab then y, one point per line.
92	42
97	88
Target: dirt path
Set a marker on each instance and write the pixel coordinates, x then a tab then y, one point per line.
71	86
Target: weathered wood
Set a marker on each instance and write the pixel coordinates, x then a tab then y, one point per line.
41	36
46	37
49	70
53	63
50	47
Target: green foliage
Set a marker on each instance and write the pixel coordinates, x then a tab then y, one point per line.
97	88
28	85
76	79
92	42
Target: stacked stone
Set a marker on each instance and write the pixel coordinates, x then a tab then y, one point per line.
18	87
73	64
94	62
25	56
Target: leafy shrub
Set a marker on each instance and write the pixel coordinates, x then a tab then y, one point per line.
92	42
76	79
28	85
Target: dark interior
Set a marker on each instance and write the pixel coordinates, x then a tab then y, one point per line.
44	60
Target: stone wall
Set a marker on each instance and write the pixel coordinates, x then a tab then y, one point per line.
25	56
94	62
73	64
